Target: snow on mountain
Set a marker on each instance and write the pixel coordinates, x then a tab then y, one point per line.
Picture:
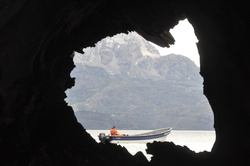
125	76
129	55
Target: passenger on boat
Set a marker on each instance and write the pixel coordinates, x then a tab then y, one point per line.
114	132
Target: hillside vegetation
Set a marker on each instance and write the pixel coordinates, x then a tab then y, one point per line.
123	81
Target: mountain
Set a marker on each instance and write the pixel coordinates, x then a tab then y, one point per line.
124	81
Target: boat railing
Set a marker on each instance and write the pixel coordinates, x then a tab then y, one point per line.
158	131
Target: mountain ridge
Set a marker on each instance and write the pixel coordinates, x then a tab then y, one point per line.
132	86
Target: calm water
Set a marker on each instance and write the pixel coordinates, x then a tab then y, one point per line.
197	141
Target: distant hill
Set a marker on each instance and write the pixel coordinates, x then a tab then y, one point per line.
123	81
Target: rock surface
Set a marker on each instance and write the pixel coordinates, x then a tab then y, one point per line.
124	81
38	38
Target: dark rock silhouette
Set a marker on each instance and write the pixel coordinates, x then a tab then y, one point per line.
37	41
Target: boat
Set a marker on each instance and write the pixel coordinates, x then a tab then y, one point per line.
155	135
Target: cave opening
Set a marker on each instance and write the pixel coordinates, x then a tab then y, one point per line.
37	39
133	84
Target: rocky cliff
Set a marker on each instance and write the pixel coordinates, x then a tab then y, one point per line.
123	80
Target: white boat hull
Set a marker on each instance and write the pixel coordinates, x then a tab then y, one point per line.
155	135
162	139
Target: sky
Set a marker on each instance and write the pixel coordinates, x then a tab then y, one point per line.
185	42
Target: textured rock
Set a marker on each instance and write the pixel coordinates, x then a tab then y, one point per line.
170	154
124	81
37	39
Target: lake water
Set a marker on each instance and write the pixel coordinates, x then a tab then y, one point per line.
195	140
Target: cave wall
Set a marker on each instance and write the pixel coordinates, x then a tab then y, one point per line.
222	30
37	44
